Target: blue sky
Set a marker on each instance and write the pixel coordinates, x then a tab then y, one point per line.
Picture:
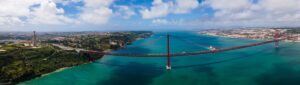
114	15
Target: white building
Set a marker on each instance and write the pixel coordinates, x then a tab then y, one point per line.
1	50
113	43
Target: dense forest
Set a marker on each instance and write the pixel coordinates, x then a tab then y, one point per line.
19	63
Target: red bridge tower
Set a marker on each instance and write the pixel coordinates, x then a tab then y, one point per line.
276	38
168	67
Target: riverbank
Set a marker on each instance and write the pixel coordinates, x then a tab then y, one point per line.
251	66
58	70
208	34
61	69
20	63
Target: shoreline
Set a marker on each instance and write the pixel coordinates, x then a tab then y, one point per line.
65	68
62	58
46	74
57	70
241	37
61	69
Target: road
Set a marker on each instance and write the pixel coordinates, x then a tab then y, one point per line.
68	48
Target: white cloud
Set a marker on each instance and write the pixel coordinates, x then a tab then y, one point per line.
10	11
263	10
96	11
160	8
16	12
48	13
125	12
12	8
231	5
10	21
96	16
66	2
160	21
185	6
174	22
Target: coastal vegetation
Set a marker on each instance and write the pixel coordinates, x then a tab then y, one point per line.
19	62
293	30
102	42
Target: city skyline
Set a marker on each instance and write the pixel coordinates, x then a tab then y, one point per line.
116	15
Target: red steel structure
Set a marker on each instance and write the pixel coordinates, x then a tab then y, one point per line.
168	54
276	38
168	51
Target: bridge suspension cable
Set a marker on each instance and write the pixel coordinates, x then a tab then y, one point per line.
276	40
187	53
169	55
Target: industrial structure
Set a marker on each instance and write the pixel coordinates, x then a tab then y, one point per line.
34	43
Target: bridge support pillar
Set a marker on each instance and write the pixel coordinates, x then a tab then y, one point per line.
168	67
276	44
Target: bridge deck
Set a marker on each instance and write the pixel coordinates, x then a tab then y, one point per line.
188	53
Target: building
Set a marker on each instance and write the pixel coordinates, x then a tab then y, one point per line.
113	43
34	43
58	38
1	50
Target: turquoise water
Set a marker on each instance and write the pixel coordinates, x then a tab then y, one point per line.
261	65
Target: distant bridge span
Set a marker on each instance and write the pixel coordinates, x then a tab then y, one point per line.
168	54
186	53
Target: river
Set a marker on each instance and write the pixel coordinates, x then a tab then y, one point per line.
260	65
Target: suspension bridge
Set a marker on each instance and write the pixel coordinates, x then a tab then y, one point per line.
211	50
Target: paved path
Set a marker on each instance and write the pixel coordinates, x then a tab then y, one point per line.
68	48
